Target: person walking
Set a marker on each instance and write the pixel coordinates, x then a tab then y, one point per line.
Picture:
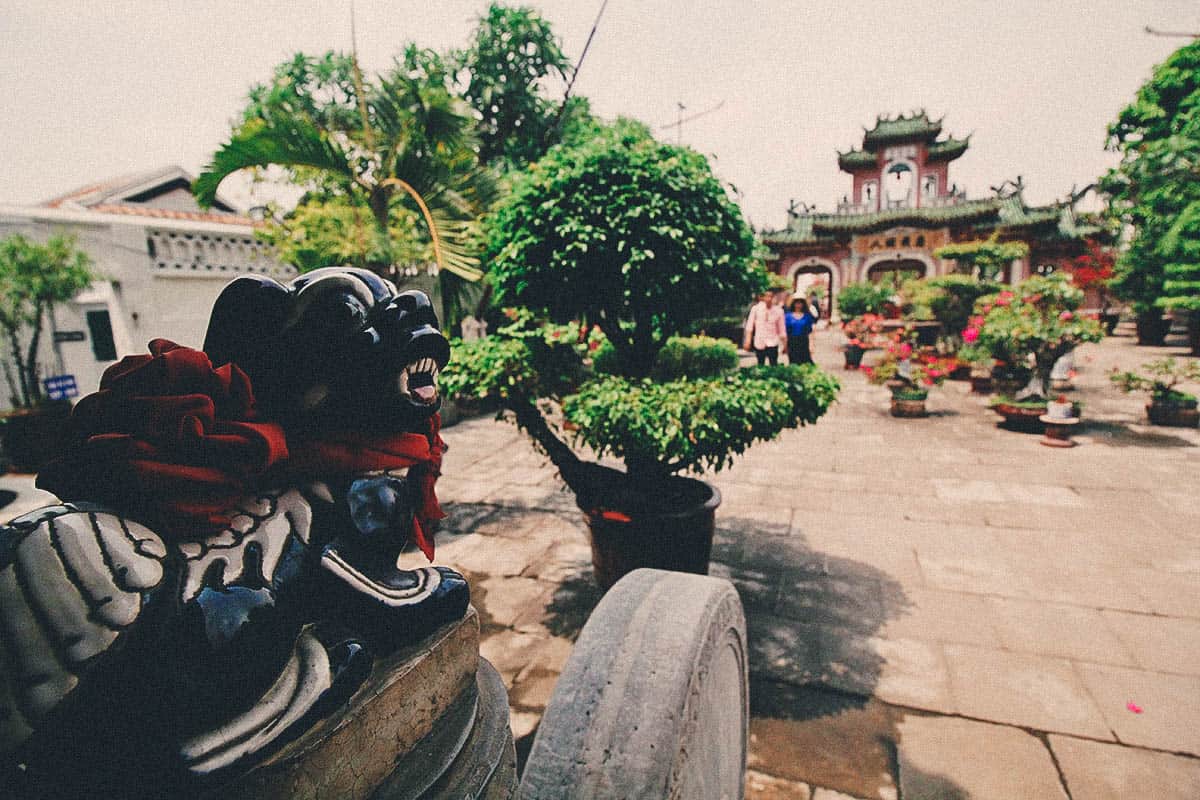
765	329
799	320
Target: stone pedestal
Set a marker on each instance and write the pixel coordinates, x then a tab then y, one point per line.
1058	431
431	722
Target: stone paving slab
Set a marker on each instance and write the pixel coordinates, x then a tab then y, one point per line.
1053	629
1170	706
1023	689
943	758
1160	644
1097	771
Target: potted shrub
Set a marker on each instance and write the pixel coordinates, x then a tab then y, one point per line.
1168	405
858	299
862	334
909	375
979	364
637	239
33	277
1032	328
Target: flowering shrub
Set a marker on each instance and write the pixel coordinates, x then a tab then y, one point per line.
1037	323
865	331
909	371
1094	267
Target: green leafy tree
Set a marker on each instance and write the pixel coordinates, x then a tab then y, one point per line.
504	74
636	239
864	297
1158	136
632	234
1180	250
33	277
330	231
400	137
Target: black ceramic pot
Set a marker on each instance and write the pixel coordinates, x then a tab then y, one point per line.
1152	328
1174	415
854	356
673	533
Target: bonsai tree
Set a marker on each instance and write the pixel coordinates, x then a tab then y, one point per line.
985	259
856	299
907	373
952	302
1161	378
1035	325
621	243
33	277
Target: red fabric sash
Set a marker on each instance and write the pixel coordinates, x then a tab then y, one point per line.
170	439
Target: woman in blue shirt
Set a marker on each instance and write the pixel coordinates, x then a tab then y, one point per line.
799	323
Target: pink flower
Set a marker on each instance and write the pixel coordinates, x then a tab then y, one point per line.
1066	316
1134	707
905	350
970	335
1004	298
975	322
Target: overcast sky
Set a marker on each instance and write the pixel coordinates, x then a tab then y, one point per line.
96	89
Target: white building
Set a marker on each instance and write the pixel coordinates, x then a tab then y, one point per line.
163	260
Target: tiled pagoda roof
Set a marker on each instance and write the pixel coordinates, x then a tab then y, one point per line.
901	128
1008	212
948	149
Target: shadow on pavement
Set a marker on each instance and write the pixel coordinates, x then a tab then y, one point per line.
812	620
572	604
1116	434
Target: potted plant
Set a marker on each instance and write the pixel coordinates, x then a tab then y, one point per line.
909	374
1167	406
1032	328
862	334
979	363
635	238
33	277
858	299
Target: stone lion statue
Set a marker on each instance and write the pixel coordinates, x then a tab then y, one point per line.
223	569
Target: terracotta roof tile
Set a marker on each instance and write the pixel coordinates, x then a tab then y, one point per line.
165	213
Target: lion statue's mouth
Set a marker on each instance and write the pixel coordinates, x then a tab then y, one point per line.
417	382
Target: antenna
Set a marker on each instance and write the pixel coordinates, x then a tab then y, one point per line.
680	119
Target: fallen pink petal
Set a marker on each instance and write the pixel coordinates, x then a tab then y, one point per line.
1134	707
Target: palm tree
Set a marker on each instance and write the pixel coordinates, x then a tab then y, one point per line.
402	138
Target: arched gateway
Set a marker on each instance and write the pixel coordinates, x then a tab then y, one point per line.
903	206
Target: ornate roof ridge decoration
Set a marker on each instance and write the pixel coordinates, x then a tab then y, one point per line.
917	125
855	159
948	149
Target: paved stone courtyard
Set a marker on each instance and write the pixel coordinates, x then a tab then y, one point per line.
938	608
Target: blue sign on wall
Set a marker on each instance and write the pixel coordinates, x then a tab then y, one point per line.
60	387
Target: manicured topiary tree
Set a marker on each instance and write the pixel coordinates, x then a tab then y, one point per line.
637	239
1037	322
1158	137
1180	250
986	259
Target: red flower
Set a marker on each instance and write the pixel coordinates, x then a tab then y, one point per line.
970	335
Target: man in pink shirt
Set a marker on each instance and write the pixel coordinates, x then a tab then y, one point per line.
765	329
